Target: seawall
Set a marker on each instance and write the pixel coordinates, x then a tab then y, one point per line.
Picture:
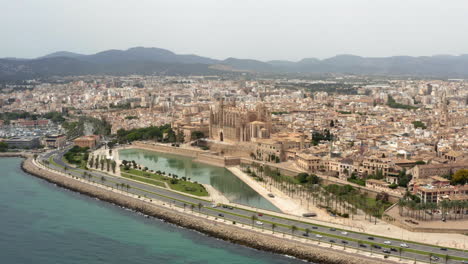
226	232
201	156
15	154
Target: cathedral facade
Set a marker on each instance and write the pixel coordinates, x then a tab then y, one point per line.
230	123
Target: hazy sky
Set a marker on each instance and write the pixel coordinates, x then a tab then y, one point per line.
258	29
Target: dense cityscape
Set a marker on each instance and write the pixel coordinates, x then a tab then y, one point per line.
269	132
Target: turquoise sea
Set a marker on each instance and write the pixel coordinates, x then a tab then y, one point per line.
42	223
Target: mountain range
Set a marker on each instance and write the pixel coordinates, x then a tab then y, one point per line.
140	60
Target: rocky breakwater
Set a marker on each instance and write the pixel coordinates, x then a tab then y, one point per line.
223	231
15	154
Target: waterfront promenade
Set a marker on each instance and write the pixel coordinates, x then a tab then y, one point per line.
242	233
241	215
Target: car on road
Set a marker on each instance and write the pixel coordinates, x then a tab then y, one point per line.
393	249
443	249
386	251
370	238
271	195
319	236
259	223
220	215
404	245
362	245
260	214
305	234
314	227
332	241
332	229
230	207
434	258
387	242
377	246
214	205
344	241
344	233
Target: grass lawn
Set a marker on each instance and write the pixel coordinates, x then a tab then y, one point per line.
142	179
76	156
180	185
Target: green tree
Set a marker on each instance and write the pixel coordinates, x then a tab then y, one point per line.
460	177
196	135
293	229
302	177
3	147
91	162
253	218
273	226
113	165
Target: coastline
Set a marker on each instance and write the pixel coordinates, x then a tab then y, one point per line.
212	228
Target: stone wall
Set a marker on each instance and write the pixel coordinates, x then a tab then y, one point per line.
240	149
219	230
193	153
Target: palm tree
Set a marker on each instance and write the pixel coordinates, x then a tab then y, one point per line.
108	164
273	226
185	206
103	179
200	205
401	206
117	185
128	187
307	231
113	165
293	229
192	206
400	250
91	161
253	218
446	258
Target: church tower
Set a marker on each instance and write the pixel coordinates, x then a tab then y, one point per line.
444	118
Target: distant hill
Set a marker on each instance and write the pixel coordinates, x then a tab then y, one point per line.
62	54
140	60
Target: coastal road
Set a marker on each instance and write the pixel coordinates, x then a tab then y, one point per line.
337	237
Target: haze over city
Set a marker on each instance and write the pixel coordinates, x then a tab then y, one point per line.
264	30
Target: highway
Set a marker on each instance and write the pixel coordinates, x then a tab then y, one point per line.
337	237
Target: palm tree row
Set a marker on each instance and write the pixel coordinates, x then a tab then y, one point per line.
448	210
102	161
344	204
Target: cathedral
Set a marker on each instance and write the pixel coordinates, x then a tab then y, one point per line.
230	123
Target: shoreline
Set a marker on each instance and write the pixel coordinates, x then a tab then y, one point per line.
237	235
